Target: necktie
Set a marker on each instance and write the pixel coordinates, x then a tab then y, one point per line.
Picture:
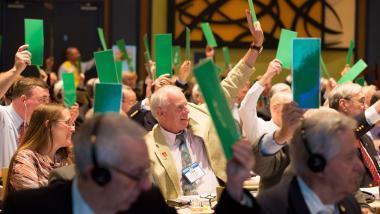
369	164
187	187
21	131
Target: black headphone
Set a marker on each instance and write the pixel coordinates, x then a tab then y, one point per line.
316	162
101	175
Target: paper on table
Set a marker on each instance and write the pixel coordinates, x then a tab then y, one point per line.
355	71
69	92
208	34
284	50
163	54
217	104
34	37
105	66
107	97
306	72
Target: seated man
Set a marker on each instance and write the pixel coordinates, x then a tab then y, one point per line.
112	168
186	136
326	165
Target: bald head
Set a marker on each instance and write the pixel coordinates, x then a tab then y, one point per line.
276	104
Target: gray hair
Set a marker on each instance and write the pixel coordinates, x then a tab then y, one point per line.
279	87
321	130
344	91
109	146
160	99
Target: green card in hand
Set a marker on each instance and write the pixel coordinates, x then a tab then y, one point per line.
306	72
187	43
176	55
119	70
284	50
163	54
69	92
121	45
209	35
217	104
350	51
252	10
355	71
105	66
324	68
226	54
107	97
146	44
360	81
101	38
34	37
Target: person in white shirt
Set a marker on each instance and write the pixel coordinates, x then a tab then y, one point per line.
27	95
327	168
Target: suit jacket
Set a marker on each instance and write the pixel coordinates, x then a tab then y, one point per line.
271	168
163	166
286	197
57	198
228	205
142	116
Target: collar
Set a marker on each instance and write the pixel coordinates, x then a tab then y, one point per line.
15	117
313	202
170	137
79	204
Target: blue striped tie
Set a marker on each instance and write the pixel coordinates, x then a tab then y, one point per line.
187	187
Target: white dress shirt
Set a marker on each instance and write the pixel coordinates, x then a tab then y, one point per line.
10	122
269	146
253	126
313	203
206	184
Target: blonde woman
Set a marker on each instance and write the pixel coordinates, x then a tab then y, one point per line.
44	147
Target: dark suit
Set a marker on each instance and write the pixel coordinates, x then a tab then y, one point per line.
286	197
142	116
57	198
235	207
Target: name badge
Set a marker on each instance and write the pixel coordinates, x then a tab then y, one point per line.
193	172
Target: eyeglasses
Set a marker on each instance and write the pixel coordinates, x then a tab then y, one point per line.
137	178
68	123
361	100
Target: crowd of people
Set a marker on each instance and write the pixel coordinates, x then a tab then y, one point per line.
163	143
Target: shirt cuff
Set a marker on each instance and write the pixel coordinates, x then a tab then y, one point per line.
268	145
371	115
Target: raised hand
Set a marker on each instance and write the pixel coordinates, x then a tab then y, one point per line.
255	28
238	168
22	58
184	71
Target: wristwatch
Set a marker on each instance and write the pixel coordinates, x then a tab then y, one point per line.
257	48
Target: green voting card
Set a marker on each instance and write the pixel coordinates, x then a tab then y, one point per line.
119	70
217	104
208	34
252	10
306	72
122	47
350	51
324	68
146	44
105	66
101	38
69	92
284	50
34	37
188	43
163	54
360	81
176	55
107	97
146	57
355	71
226	54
